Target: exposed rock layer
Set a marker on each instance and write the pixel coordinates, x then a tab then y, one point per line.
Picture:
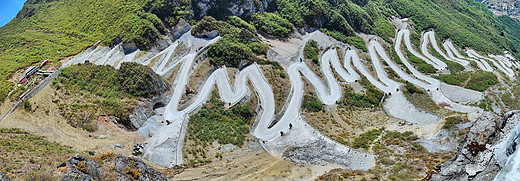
478	155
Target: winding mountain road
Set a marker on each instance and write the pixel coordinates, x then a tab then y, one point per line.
166	139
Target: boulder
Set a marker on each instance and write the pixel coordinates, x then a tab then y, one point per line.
3	177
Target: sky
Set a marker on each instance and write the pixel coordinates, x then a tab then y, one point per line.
9	9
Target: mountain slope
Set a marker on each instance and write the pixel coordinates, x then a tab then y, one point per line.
48	29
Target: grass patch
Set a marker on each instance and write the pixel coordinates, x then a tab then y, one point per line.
311	52
238	43
22	150
420	64
371	98
104	91
215	123
364	140
355	41
452	121
478	80
311	103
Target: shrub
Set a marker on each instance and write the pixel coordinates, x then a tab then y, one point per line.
272	24
365	139
478	80
117	88
451	122
311	51
351	40
371	98
215	123
82	166
481	80
236	45
421	65
27	105
412	89
282	75
454	67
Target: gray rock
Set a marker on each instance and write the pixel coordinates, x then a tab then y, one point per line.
78	168
146	108
3	177
177	31
112	147
79	157
207	34
135	169
120	145
476	158
102	136
241	8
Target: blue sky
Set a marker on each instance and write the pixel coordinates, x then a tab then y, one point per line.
9	9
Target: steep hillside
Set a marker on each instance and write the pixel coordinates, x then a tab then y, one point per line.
358	85
47	29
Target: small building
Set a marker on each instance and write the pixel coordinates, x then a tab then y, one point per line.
31	71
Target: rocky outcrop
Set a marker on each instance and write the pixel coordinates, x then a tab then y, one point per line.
480	156
177	31
222	8
125	168
80	169
135	169
3	177
147	107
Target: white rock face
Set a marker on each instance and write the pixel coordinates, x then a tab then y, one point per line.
508	155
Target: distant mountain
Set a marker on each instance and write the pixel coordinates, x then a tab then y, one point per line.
510	8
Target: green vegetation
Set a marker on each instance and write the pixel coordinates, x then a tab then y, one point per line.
215	123
370	98
132	79
355	41
399	157
421	99
58	29
27	105
478	80
486	104
311	103
237	43
311	52
272	24
343	17
481	81
239	23
507	99
412	89
467	23
22	150
454	79
452	121
105	91
421	65
454	67
364	140
510	98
